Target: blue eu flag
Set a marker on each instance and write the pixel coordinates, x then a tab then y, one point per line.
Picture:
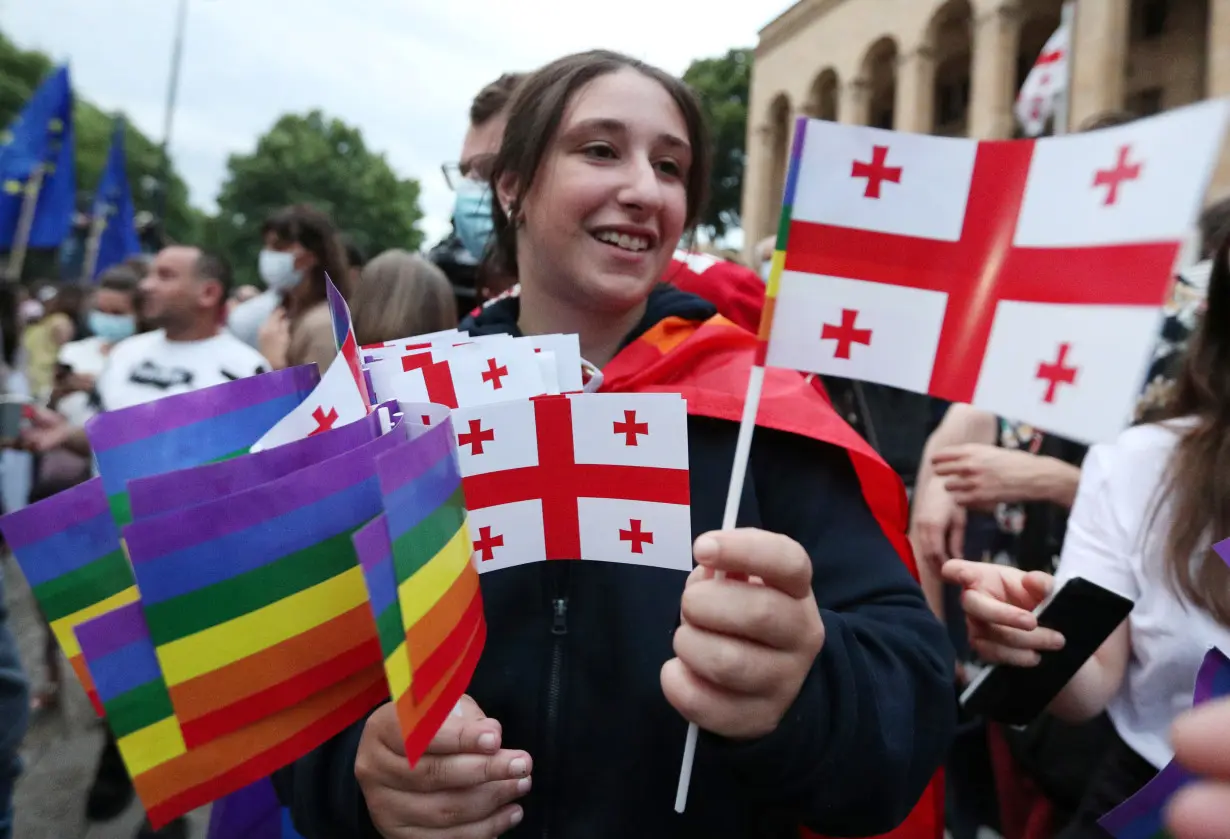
40	138
113	208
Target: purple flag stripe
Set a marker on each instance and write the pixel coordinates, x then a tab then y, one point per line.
112	630
117	428
371	544
407	463
55	514
179	530
199	485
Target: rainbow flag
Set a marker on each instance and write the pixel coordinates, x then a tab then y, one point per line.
1143	815
189	429
69	549
344	338
172	778
255	601
182	488
422	586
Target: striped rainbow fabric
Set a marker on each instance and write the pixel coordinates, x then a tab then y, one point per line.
422	585
255	600
778	262
172	779
69	549
189	429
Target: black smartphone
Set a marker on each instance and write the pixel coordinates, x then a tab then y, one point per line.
1085	614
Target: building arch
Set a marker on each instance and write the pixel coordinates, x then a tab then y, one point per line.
879	72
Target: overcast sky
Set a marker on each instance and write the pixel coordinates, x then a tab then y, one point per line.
403	71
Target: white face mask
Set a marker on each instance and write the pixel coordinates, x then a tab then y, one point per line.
277	269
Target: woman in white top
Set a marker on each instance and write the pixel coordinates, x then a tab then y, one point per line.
1148	508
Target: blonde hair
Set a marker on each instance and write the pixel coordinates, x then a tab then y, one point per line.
400	294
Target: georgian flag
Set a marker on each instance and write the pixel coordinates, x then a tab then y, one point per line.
1026	277
1045	84
334	402
588	476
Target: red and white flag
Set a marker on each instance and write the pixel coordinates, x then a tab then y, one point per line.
461	376
588	476
1046	83
1026	277
344	339
334	402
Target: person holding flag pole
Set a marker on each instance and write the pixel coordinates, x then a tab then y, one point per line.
822	681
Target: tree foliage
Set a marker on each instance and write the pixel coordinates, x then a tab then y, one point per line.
319	160
723	86
21	71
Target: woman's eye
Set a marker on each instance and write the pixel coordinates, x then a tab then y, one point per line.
671	168
601	151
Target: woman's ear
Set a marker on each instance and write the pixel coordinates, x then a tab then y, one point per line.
506	194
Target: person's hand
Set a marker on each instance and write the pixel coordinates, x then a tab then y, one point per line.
999	603
46	430
1201	740
937	526
746	642
980	475
462	788
273	338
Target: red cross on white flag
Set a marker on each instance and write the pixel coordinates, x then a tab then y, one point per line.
972	267
1042	88
334	402
555	478
472	373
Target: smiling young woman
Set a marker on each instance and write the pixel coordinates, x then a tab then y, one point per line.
821	680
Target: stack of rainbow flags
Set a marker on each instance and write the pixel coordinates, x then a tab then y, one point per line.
213	602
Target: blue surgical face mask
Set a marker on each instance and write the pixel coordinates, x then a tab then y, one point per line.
472	216
111	328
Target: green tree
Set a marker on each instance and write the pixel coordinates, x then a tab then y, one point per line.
322	161
723	84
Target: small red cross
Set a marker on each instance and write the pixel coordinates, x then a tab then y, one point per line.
487	543
876	172
845	335
630	427
1057	373
1114	178
324	422
636	536
476	436
426	420
492	374
1052	57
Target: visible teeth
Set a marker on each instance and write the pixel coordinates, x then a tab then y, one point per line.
622	240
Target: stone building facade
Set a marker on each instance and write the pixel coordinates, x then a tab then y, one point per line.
953	67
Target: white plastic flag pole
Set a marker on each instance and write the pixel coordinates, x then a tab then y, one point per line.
743	447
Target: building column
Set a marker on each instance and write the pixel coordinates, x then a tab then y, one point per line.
914	108
1217	83
1218	80
855	101
1099	59
997	40
758	222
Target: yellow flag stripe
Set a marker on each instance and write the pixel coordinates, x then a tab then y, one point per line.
776	265
150	746
419	593
218	646
397	669
63	628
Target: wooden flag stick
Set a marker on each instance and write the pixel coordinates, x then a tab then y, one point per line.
93	244
25	225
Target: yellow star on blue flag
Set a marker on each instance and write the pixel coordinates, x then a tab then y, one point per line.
40	139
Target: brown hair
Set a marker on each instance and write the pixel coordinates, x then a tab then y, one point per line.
400	295
534	117
1214	227
315	232
494	98
1195	486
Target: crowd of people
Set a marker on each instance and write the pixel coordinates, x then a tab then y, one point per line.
824	660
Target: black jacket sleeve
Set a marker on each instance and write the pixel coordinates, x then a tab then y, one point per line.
320	789
876	714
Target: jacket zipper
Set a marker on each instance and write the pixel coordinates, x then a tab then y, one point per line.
559	628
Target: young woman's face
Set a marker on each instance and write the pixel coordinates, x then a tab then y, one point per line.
608	205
